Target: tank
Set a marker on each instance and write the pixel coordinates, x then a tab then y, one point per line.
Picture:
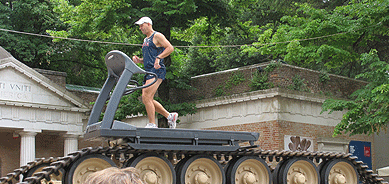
183	156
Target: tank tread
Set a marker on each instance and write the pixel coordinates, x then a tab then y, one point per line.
366	175
15	175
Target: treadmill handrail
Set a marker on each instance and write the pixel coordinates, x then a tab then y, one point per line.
120	70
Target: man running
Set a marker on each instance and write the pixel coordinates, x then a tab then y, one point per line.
155	48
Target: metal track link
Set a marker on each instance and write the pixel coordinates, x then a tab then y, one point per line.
366	176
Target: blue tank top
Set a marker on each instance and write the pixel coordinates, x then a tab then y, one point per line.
150	52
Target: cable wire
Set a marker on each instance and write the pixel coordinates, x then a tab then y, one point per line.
200	46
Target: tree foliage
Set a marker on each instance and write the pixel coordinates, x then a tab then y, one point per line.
332	40
225	38
114	21
368	112
91	20
339	40
248	22
32	16
331	36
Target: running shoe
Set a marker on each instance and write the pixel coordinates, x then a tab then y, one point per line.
151	125
172	120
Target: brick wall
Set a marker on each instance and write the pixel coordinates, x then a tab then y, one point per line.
272	133
87	97
49	145
269	135
55	76
206	85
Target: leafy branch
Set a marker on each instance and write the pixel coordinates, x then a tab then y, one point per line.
368	111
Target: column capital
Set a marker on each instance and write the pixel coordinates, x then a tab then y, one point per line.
76	136
28	133
72	135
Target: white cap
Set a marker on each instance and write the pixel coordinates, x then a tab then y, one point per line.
144	20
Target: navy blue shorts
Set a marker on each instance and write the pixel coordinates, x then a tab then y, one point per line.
161	73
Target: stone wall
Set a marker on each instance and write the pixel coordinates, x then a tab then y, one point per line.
60	79
88	97
206	86
55	76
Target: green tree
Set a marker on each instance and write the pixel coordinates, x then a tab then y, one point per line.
246	24
114	21
242	28
90	20
337	40
331	40
32	16
368	111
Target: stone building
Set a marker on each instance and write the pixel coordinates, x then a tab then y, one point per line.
290	107
39	117
278	113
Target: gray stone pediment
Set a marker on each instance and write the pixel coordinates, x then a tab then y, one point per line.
23	86
29	101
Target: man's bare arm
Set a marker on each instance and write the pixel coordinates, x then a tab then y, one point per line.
161	41
136	59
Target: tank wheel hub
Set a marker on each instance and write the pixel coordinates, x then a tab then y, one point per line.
201	169
248	170
199	174
337	177
248	175
154	168
150	177
300	171
201	178
298	175
299	178
340	179
249	178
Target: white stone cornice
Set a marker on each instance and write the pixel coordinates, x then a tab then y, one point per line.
274	104
43	106
262	94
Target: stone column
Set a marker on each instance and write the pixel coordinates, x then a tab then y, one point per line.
27	147
71	143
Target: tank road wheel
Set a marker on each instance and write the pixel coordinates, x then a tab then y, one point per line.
276	172
54	179
154	169
248	170
201	169
298	171
86	165
179	165
339	171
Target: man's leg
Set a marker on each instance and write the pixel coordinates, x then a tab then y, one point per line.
148	98
160	109
153	106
